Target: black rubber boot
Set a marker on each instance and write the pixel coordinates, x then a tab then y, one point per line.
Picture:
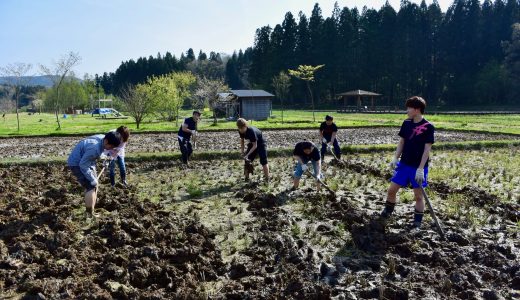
389	209
112	180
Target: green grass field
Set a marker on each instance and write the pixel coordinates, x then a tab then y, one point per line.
45	124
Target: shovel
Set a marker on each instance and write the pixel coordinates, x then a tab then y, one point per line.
430	207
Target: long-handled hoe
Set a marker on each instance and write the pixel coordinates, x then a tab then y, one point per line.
321	182
334	155
441	231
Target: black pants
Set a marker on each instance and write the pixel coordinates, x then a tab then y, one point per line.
186	149
261	151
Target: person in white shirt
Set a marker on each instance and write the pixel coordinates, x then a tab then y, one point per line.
118	155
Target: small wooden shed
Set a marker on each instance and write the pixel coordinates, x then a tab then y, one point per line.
253	104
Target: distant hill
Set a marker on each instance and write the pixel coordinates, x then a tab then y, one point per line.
44	80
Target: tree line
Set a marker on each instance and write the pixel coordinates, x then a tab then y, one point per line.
456	58
452	58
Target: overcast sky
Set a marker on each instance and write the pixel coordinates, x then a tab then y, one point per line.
107	32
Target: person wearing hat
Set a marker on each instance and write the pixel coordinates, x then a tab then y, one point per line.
187	130
328	137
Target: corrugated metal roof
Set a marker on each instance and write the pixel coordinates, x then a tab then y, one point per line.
251	93
359	93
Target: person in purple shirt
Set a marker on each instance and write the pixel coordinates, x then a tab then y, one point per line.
82	163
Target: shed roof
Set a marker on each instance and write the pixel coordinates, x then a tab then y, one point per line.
359	93
251	93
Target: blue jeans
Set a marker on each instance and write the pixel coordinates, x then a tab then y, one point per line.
122	169
298	171
337	150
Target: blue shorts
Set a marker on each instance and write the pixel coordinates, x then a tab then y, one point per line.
404	175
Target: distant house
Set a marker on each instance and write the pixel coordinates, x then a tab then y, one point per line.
248	104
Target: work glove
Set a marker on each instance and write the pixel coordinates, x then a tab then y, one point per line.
194	132
393	164
419	175
304	168
246	158
324	140
94	182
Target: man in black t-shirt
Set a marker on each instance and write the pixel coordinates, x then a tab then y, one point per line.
187	130
256	145
417	138
328	137
303	153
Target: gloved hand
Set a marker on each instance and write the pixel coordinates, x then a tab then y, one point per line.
106	162
94	182
246	158
304	168
393	164
194	132
104	156
419	175
324	140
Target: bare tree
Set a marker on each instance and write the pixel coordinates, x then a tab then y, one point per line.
207	90
57	73
17	78
137	102
37	104
6	105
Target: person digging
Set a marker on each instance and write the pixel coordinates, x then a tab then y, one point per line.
413	150
118	155
186	131
82	163
328	137
256	145
305	152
